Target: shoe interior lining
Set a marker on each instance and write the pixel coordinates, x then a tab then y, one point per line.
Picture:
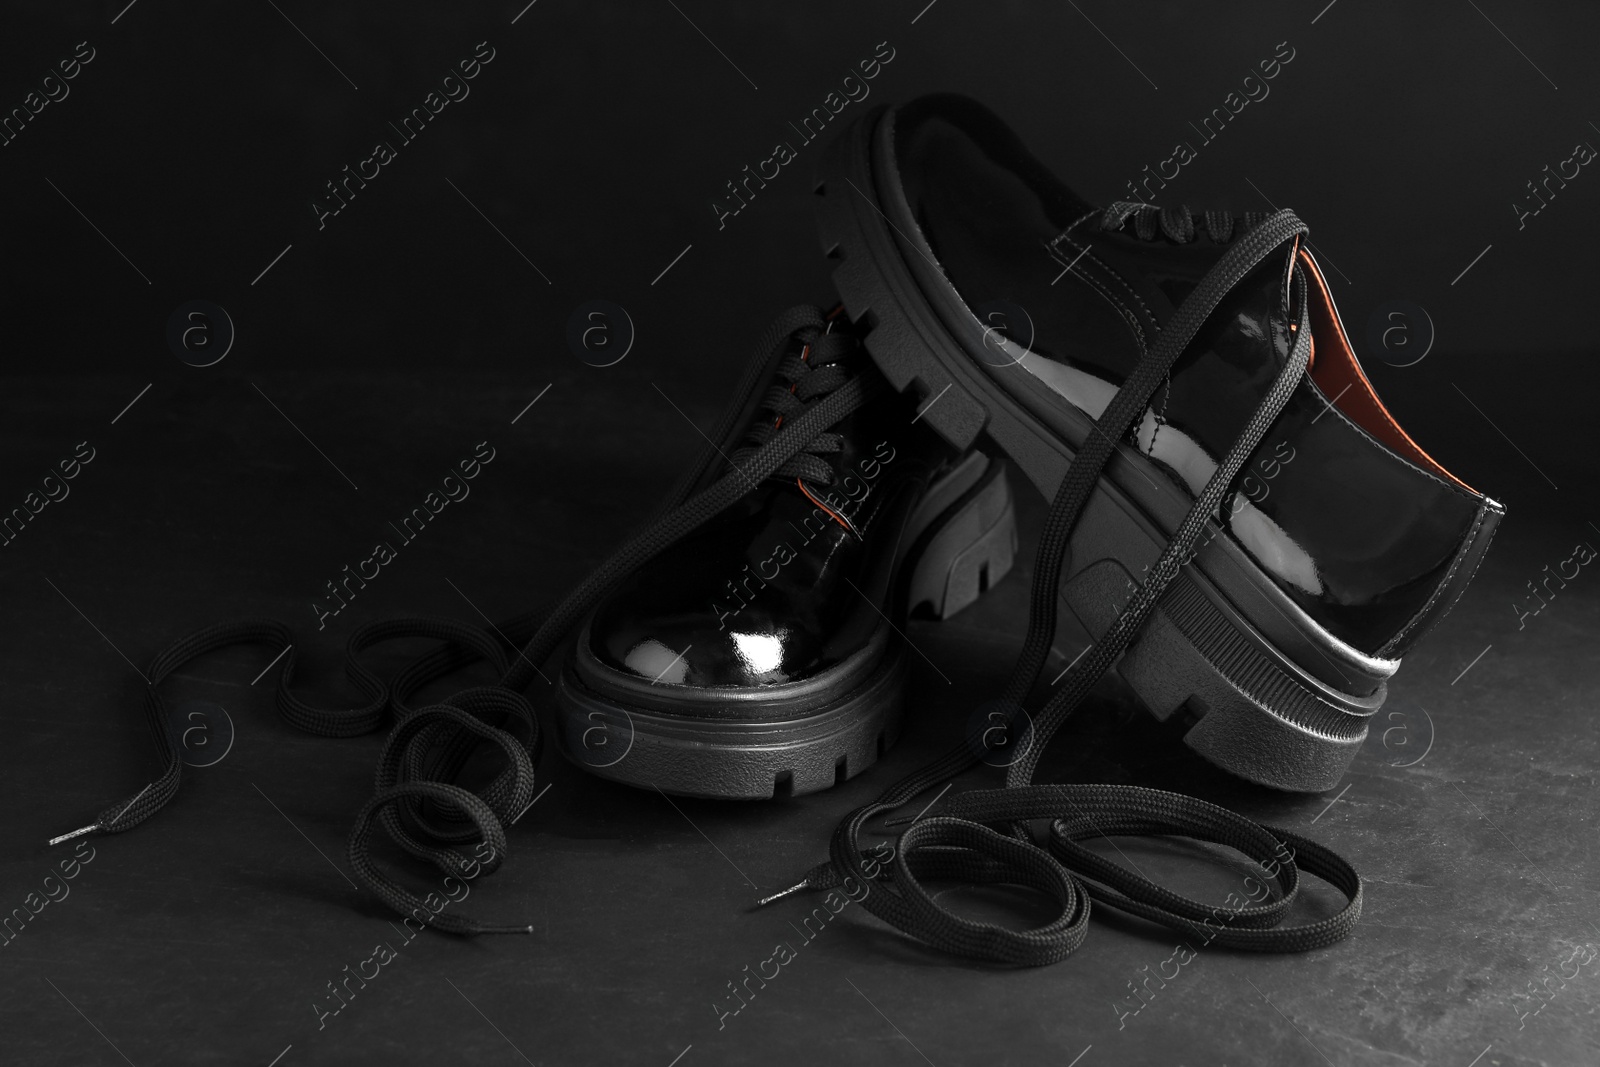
1339	375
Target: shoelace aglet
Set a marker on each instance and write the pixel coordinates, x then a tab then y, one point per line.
91	828
804	883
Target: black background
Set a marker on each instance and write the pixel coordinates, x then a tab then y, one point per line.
600	135
378	350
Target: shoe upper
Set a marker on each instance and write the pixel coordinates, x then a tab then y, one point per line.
788	586
1350	518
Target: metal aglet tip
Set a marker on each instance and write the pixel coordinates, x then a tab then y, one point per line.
780	894
76	833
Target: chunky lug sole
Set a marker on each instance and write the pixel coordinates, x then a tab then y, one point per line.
787	740
1271	696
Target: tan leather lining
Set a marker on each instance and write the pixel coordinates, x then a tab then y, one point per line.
1338	374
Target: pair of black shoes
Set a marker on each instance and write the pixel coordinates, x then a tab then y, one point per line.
988	312
1245	532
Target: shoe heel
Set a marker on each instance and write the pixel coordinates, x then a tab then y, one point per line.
1252	711
968	545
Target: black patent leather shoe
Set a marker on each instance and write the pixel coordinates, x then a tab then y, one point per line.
992	285
762	653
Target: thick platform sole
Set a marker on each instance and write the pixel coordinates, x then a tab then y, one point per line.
1209	668
962	539
1287	709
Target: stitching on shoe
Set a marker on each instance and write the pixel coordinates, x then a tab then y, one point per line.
1124	312
1062	236
1120	280
1155	433
1160	417
1128	315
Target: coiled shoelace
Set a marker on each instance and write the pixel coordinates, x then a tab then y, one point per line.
980	837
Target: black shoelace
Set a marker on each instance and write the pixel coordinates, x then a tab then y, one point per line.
823	364
980	837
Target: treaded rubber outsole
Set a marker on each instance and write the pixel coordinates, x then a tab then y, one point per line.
1252	718
689	756
1257	714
